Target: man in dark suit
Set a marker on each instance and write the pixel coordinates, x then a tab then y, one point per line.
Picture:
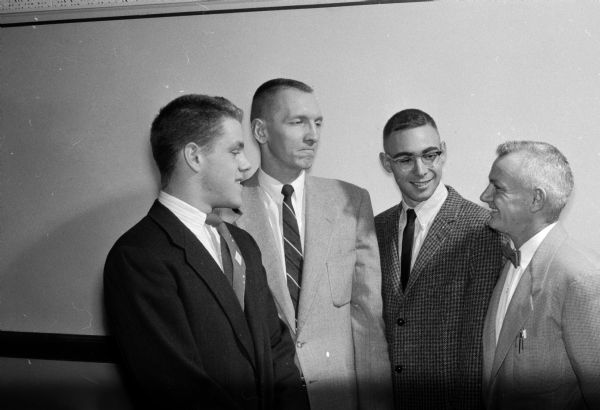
541	339
188	303
439	263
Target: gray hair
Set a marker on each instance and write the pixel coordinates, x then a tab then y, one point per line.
544	167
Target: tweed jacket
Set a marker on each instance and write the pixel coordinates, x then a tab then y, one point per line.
185	341
548	351
434	327
340	343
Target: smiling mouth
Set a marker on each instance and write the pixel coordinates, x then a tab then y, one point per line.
421	184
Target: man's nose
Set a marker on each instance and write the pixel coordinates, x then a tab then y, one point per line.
313	132
243	163
419	167
486	194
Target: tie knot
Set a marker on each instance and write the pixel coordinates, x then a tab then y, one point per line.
287	190
513	255
410	215
213	220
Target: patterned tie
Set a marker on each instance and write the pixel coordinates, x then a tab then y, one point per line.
407	245
234	266
513	255
292	246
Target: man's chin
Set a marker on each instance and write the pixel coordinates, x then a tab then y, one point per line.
231	204
495	224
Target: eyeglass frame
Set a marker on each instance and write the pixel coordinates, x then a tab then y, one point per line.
413	158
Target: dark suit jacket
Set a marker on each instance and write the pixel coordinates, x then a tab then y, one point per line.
556	306
183	335
434	328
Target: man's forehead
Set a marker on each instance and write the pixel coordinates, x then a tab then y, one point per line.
412	140
291	100
507	167
230	132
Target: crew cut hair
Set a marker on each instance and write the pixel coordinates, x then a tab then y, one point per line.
189	118
406	120
265	93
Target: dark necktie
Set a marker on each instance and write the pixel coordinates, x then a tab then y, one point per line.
513	255
291	246
234	266
407	245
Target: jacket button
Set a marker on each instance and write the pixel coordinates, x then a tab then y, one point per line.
398	368
400	321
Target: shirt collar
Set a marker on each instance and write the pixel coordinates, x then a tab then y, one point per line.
529	248
273	187
427	210
189	215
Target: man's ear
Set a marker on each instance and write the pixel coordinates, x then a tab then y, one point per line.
444	152
385	162
539	199
259	130
192	155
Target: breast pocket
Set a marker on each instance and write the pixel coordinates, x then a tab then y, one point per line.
539	366
340	271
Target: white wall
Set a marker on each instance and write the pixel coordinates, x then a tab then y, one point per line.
77	101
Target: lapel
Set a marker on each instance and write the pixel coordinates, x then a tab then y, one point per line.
393	262
489	329
200	260
531	284
519	311
320	211
253	218
437	235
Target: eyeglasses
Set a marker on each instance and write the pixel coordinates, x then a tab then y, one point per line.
407	162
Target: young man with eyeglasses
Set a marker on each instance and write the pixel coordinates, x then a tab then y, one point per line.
439	262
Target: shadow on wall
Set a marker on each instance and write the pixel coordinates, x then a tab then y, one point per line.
55	284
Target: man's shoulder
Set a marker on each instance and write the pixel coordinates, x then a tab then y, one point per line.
384	215
144	236
570	255
336	187
464	209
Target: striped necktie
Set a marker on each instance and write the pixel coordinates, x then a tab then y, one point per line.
292	246
234	266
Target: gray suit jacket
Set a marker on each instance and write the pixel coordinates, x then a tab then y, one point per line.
340	343
556	307
434	327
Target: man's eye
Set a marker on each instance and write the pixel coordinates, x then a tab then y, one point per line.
430	157
404	160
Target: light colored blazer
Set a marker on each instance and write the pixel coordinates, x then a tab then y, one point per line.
556	309
340	343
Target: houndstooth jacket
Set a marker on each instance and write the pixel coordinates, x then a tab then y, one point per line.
434	329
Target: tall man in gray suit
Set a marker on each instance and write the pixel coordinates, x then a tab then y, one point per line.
319	249
541	340
439	262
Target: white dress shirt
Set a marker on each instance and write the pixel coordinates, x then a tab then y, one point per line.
195	221
513	276
426	212
272	198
